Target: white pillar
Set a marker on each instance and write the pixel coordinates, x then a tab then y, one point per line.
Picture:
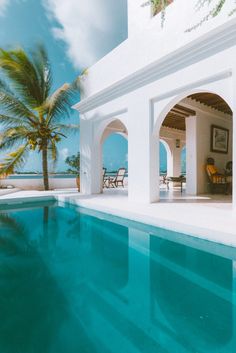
90	160
191	155
143	153
176	156
139	275
170	164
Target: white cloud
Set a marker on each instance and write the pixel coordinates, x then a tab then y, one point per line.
89	28
64	153
3	6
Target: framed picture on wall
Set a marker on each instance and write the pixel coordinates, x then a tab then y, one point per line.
219	139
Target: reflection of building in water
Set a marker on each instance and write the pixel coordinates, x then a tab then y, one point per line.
115	289
163	295
192	290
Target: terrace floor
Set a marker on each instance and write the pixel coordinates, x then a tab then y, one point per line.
206	217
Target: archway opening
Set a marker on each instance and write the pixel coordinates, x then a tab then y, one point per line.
115	156
183	160
198	131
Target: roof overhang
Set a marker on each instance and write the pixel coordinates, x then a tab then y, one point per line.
214	41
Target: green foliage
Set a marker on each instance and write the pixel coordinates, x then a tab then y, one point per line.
158	6
32	117
212	13
74	162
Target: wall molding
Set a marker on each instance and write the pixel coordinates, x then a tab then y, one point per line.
216	40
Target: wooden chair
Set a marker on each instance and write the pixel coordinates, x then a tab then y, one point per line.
229	174
181	179
104	177
218	181
118	179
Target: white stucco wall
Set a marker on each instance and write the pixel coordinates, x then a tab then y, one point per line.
149	42
204	123
169	137
37	184
141	80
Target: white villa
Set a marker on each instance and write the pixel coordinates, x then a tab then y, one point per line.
163	84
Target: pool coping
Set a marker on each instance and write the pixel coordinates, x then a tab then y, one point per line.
214	235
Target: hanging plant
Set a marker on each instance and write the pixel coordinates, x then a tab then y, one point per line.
158	6
212	13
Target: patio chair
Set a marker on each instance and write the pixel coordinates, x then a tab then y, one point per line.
118	179
229	174
180	179
218	181
229	169
104	178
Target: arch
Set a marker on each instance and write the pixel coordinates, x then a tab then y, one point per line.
108	127
102	125
166	145
178	98
189	121
183	160
169	154
115	126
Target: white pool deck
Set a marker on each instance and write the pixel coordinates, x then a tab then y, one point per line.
205	217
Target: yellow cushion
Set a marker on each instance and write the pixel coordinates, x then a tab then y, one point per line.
211	169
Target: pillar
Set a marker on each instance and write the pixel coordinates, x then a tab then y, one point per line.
191	155
90	160
143	152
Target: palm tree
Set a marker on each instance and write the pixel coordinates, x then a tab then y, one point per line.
31	116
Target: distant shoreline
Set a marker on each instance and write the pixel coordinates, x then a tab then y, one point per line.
40	176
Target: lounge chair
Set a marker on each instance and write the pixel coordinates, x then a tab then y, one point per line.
218	181
180	179
118	179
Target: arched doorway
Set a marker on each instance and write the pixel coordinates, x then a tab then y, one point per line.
114	144
202	123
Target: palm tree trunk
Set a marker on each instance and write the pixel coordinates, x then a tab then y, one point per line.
45	165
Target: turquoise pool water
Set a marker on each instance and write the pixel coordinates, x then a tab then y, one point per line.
73	282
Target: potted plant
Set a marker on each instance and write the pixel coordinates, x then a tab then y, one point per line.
74	163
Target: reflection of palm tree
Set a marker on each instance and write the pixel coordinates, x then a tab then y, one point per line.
34	310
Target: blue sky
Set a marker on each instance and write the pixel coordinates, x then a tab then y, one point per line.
76	34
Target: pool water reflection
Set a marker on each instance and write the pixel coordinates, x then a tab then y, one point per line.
72	282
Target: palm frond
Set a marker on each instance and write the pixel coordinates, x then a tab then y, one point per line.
24	76
59	103
9	121
212	13
67	128
10	142
11	136
13	105
13	160
43	68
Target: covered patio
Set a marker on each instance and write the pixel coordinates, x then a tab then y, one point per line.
182	100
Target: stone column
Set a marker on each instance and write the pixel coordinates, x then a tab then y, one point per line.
191	155
176	161
90	160
143	152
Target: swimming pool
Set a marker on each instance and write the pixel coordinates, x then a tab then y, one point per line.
73	280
